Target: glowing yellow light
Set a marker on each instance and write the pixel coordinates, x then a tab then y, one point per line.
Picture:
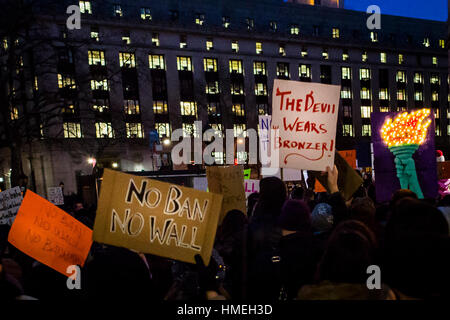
406	128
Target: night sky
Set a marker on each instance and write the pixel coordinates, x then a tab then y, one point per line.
428	9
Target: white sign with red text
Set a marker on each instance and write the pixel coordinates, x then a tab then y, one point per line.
251	186
304	118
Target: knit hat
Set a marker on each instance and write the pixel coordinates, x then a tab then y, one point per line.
295	216
322	218
439	156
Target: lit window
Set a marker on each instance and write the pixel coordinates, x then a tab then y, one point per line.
273	26
214	109
366	131
199	19
96	58
434	96
383	57
365	93
262	109
212	87
226	22
442	43
418	77
100	105
346	73
184	63
188	108
219	157
99	84
183	42
325	54
435	61
189	130
364	74
127	60
365	112
260	89
259	48
426	42
238	110
131	106
209	44
295	29
103	130
401	95
373	36
160	107
239	130
401	76
304	52
72	130
335	33
237	88
384	109
36	83
434	78
66	82
14	113
217	127
95	33
448	130
210	64
250	23
134	130
384	94
345	55
126	39
364	56
85	7
146	14
282	50
347	111
155	39
438	129
118	10
236	66
156	61
163	129
418	96
241	157
259	68
347	130
283	70
400	59
346	93
304	71
234	46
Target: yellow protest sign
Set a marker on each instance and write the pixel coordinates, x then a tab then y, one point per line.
228	181
156	217
49	235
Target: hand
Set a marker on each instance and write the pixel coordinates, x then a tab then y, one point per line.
332	179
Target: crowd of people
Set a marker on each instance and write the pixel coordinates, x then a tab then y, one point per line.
287	246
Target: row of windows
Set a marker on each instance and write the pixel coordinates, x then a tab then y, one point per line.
294	29
366	131
365	93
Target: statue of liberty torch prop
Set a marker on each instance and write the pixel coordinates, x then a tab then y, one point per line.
403	136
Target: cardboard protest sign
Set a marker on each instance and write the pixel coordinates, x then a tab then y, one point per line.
55	195
443	170
305	115
349	156
228	181
10	201
156	217
404	153
251	186
348	180
49	235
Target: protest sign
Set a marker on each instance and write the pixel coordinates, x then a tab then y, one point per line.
200	183
228	181
247	173
292	174
49	235
305	115
55	195
251	186
156	217
348	180
264	148
10	201
349	156
404	153
443	170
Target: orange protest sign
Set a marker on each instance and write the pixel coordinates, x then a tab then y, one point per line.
49	235
349	156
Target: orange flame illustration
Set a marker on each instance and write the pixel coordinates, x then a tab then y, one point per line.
406	128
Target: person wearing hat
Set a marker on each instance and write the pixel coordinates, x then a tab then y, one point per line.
299	252
443	183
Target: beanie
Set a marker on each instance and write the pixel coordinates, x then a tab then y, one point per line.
295	216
